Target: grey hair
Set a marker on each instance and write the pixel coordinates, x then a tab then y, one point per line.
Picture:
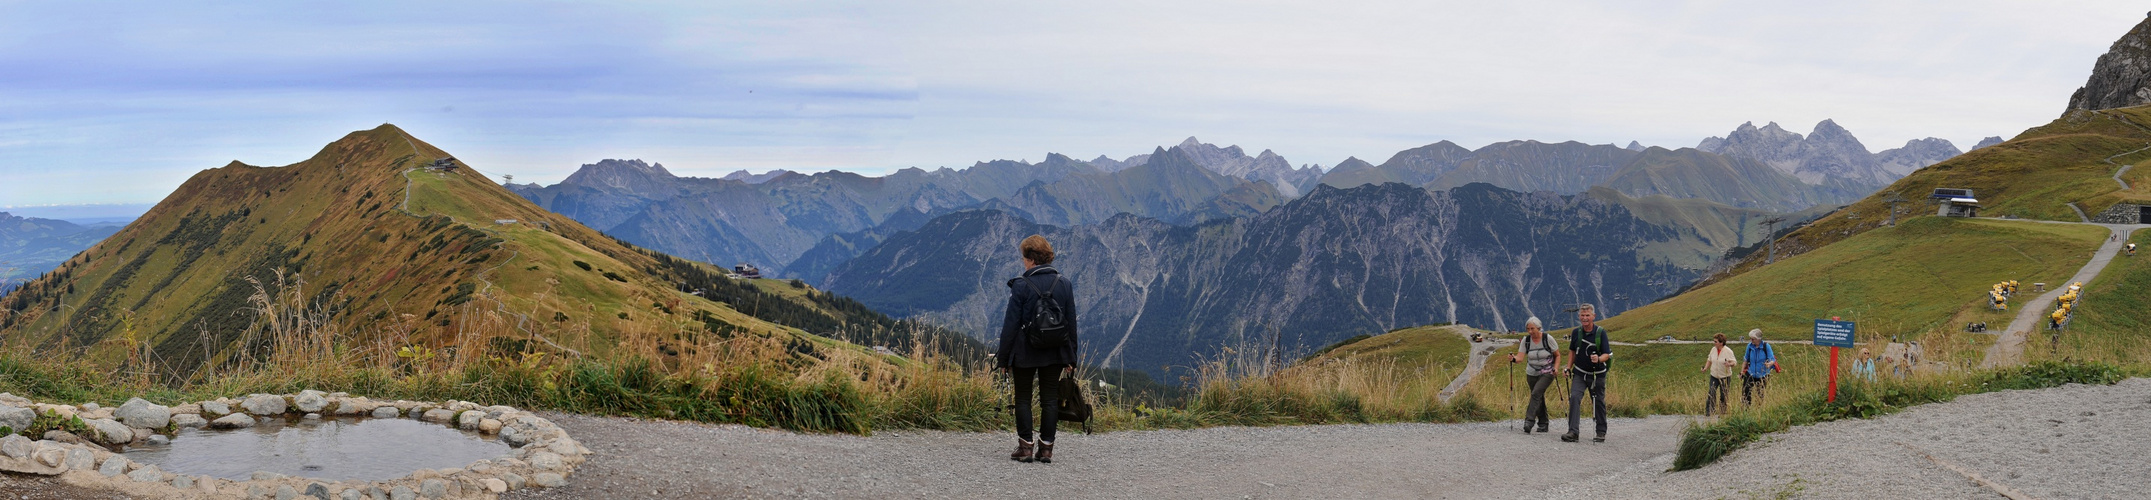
1534	321
1586	307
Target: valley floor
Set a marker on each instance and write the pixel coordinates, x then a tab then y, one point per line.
644	459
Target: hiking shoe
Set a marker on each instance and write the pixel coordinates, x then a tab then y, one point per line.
1599	439
1045	453
1023	452
1568	438
1527	429
1542	428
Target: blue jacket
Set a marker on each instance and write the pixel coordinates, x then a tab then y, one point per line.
1760	354
1016	351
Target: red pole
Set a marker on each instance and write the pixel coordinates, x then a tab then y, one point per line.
1833	374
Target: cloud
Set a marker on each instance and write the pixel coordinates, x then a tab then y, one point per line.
120	102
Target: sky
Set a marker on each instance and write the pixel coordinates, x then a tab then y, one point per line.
117	103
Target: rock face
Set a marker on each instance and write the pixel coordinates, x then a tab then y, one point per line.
137	412
2122	77
1336	263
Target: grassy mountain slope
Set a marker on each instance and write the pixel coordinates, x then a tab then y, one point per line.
2111	323
1708	228
187	286
1736	181
1908	280
2035	175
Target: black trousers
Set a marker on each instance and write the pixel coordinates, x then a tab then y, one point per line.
1751	388
1714	401
1596	386
1536	411
1047	379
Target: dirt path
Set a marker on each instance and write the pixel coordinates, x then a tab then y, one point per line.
645	459
2008	349
1479	352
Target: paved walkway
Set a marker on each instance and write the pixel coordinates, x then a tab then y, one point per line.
2008	349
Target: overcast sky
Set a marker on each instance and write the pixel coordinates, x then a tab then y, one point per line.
120	102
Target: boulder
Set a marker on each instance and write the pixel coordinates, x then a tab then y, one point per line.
317	490
515	481
548	480
215	409
232	421
264	404
547	460
468	420
80	459
489	426
148	474
140	413
351	494
52	456
108	431
17	418
402	493
15	446
286	492
433	488
310	401
439	415
113	466
494	485
188	420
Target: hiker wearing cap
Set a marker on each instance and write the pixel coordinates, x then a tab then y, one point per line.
1589	355
1720	365
1762	361
1537	352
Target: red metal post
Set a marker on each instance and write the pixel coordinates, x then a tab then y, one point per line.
1833	374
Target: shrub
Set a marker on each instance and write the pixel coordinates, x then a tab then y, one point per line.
584	265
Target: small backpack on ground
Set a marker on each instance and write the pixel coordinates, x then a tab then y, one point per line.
1048	325
1074	407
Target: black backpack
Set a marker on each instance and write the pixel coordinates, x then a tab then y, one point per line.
1048	325
1074	407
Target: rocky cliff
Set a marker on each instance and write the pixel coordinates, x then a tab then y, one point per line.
2121	77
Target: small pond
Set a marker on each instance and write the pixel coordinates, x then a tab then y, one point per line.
336	449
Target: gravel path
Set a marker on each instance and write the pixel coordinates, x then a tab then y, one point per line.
2008	349
650	459
1479	352
2074	441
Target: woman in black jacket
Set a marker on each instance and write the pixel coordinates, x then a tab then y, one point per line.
1031	364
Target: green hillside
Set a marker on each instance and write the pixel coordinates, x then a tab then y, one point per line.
2112	323
241	258
1924	274
2035	175
1707	228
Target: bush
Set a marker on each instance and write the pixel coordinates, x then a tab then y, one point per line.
584	265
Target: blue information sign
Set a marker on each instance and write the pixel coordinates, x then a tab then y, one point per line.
1833	333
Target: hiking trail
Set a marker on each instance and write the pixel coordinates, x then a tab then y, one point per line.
2008	348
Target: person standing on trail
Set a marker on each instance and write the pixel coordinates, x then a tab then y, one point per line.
1762	361
1720	364
1590	353
1865	366
1538	350
1038	345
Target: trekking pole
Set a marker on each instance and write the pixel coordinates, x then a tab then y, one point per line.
1512	393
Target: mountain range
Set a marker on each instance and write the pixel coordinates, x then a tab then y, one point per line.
1330	265
31	246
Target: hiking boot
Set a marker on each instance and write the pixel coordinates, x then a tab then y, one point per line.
1599	439
1527	429
1542	428
1045	453
1568	438
1023	452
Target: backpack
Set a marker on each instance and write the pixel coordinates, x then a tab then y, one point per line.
1589	343
1074	407
1545	344
1048	327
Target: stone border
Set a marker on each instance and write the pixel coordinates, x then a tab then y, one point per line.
542	454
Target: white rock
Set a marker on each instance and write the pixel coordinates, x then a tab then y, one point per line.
52	457
494	485
92	406
469	419
137	412
183	482
187	420
148	474
80	459
232	421
546	460
310	401
215	409
264	404
17	418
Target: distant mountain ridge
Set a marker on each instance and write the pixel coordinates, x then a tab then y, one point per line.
31	246
1336	263
1829	155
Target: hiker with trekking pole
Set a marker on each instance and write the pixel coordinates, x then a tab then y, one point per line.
1590	354
1762	360
1038	346
1537	353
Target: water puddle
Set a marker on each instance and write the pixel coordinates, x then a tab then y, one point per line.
371	449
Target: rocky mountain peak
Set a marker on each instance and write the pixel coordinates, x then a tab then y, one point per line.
2121	77
1634	146
621	174
1988	142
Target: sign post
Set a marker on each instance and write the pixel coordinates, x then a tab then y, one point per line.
1836	334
